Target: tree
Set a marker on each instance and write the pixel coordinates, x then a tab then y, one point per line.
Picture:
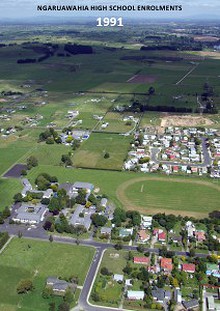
151	90
47	292
140	248
31	162
6	212
192	252
105	271
68	297
99	220
51	238
106	155
18	197
52	306
92	199
24	286
118	246
64	306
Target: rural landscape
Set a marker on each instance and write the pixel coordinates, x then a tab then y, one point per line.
110	167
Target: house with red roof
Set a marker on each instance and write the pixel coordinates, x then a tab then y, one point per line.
142	260
200	236
162	237
175	168
143	236
188	267
156	231
166	264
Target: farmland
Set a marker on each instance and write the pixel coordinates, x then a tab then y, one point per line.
36	261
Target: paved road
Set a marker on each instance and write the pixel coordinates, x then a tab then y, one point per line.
40	234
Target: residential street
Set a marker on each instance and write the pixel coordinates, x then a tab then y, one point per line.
40	234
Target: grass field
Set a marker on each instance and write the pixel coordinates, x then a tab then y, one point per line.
91	153
115	123
169	195
36	261
114	185
8	188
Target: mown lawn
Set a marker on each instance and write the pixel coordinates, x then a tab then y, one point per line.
37	260
161	194
8	188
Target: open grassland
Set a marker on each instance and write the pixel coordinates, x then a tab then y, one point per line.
115	123
47	154
12	150
115	185
8	188
92	151
28	259
176	196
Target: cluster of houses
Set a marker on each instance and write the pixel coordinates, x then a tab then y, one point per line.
177	150
69	136
215	152
159	295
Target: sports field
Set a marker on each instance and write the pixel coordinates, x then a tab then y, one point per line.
177	196
28	259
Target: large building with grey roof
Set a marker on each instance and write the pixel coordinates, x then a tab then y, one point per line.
29	213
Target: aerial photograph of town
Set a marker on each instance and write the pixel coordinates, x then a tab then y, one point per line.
109	157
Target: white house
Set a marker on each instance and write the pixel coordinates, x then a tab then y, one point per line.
135	294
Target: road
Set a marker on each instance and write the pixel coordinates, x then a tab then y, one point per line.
206	157
83	304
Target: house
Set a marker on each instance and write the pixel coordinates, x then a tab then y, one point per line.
82	217
83	185
29	213
177	295
27	186
128	283
48	193
68	187
143	236
142	260
118	277
175	168
103	202
210	303
191	304
106	231
158	295
213	269
135	294
200	236
162	236
176	238
58	286
146	221
166	264
125	232
190	228
188	267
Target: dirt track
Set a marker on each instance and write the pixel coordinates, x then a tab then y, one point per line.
120	193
